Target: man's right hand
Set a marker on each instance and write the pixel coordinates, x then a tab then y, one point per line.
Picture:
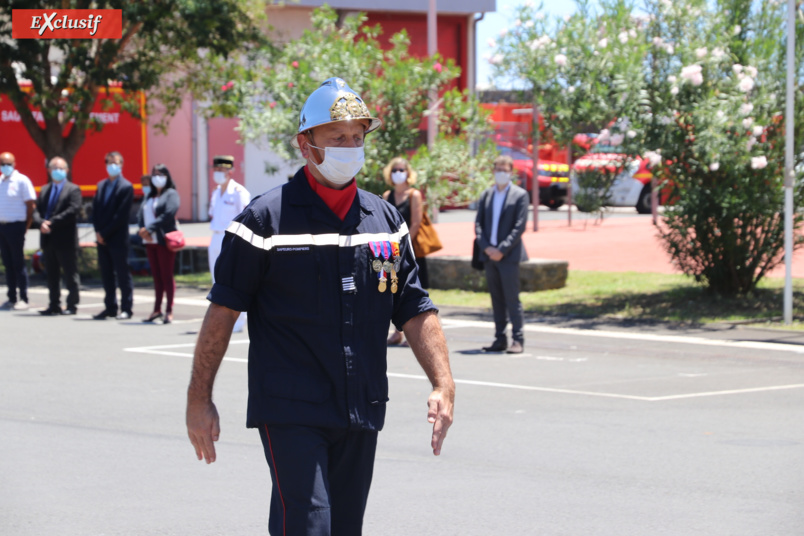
203	428
99	239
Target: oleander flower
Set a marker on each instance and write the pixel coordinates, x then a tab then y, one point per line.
693	74
653	158
746	84
757	130
616	139
747	122
561	60
746	108
623	37
759	162
701	52
603	43
714	166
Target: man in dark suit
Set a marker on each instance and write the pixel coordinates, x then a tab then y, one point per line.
502	214
56	214
110	211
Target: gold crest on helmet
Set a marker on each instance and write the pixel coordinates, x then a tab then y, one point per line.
348	106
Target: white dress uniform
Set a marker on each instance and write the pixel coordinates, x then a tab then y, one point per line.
223	207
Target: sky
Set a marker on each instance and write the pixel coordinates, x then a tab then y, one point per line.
492	23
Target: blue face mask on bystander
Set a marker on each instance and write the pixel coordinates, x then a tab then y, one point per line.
58	175
113	170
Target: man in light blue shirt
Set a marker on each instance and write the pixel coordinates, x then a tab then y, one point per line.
502	214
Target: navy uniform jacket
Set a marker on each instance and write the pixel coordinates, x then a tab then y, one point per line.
317	322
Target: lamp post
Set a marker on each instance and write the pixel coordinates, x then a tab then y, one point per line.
534	182
432	49
788	163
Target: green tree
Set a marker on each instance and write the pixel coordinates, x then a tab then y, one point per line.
267	92
164	50
585	72
694	87
714	125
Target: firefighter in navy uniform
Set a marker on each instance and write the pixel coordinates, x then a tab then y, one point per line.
322	268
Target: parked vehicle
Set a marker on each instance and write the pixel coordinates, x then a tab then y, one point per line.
553	176
121	132
631	187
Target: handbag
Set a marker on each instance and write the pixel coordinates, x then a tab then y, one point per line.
477	264
426	240
174	240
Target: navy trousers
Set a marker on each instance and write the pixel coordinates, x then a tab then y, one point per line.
12	242
321	479
114	262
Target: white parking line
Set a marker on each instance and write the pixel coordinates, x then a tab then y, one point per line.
139	297
680	339
166	349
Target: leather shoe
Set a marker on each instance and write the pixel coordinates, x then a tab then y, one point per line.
102	315
50	311
70	311
497	346
123	316
516	348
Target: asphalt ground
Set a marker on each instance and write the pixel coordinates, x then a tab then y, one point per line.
595	430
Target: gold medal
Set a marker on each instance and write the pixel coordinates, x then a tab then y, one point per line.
383	282
394	281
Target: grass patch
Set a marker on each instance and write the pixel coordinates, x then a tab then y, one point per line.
646	298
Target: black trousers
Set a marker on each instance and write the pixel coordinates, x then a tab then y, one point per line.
113	264
321	479
64	260
12	242
503	282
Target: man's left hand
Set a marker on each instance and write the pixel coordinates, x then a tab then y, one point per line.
45	227
439	412
494	253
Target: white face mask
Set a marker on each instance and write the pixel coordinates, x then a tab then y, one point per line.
399	177
502	177
219	177
340	164
159	181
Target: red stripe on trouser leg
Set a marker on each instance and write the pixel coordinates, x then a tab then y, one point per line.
276	476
